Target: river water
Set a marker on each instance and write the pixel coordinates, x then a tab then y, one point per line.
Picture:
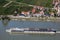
22	24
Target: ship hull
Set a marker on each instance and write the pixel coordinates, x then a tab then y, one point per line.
32	32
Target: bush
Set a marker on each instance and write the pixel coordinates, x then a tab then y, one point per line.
25	8
9	10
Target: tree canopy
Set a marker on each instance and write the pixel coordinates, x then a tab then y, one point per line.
1	1
45	3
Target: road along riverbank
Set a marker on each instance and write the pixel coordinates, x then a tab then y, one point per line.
22	18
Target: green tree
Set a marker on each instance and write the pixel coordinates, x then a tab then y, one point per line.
26	8
2	1
46	3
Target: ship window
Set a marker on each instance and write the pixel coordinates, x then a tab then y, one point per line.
43	30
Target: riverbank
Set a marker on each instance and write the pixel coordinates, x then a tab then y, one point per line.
22	18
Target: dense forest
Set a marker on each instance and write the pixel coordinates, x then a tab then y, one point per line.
46	3
1	1
10	9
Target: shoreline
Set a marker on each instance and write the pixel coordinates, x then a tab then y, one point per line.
35	18
22	18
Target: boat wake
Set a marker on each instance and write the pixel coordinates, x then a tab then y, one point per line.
58	32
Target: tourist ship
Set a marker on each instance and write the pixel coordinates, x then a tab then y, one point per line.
31	30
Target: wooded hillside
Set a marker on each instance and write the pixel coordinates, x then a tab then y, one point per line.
46	3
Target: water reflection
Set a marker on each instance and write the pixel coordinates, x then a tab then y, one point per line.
5	22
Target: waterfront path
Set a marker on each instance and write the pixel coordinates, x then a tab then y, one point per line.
34	18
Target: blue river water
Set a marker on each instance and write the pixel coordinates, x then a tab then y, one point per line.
22	24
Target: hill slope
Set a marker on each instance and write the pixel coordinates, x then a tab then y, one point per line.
46	3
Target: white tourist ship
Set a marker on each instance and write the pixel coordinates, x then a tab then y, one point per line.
31	30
